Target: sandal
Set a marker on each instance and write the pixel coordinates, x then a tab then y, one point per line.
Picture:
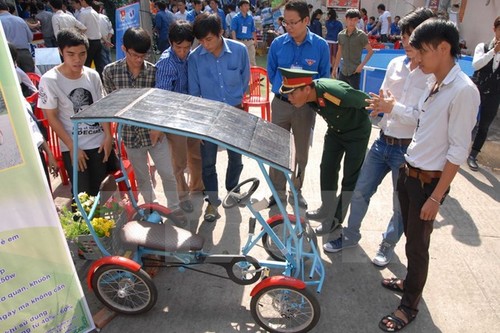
399	323
392	284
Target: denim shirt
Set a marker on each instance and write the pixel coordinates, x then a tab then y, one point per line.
225	78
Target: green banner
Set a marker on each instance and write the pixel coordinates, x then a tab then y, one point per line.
39	287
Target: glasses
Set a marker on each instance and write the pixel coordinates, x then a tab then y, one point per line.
292	24
138	55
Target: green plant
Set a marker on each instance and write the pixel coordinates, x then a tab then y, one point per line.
74	225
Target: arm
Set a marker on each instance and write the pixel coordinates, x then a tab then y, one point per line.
107	80
194	81
369	48
324	65
165	75
57	126
481	59
53	167
80	26
245	71
337	61
431	206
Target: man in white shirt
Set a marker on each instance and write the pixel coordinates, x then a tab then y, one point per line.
404	84
384	23
107	32
77	8
439	146
181	13
90	18
62	20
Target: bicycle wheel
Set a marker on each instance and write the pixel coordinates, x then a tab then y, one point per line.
285	309
270	246
123	290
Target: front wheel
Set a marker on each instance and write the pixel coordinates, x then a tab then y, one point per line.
270	246
123	290
285	309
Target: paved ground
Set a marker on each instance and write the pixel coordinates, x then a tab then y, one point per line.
462	292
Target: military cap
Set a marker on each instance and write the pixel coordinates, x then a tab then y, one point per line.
295	78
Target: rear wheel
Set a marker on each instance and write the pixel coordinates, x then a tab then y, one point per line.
123	290
285	309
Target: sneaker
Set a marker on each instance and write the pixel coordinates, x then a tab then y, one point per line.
326	228
300	198
384	254
337	246
472	163
211	214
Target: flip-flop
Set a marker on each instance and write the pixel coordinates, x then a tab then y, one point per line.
392	284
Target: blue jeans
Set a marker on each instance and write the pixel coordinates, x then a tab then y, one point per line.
209	172
381	159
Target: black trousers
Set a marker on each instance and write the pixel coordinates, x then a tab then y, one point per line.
412	194
489	109
94	54
89	180
353	79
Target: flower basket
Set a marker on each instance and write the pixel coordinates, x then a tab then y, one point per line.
88	247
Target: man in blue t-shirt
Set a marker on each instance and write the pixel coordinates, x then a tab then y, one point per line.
243	29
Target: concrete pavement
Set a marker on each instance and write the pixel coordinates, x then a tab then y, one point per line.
462	292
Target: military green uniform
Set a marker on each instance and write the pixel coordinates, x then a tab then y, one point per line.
343	108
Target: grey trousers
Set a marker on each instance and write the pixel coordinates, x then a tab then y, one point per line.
299	121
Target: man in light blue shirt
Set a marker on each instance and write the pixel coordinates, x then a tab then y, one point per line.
18	34
298	48
219	70
243	29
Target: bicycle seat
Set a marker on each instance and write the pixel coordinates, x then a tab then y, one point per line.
163	237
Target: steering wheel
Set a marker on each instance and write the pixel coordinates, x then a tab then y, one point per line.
234	197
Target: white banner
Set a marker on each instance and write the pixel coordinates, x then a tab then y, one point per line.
39	287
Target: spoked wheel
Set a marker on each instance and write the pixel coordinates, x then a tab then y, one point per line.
285	309
271	247
244	271
123	290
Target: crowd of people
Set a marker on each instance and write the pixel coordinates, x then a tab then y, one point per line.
206	55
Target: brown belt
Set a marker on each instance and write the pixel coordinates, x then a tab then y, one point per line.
423	175
394	141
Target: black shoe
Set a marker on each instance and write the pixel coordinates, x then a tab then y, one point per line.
272	202
327	227
186	206
472	163
300	198
318	214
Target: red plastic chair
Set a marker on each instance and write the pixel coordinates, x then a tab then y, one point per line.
35	78
258	92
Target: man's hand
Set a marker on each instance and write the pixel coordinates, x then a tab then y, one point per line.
429	210
334	73
107	146
82	160
380	103
497	46
156	136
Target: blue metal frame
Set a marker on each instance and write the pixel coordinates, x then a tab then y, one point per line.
291	247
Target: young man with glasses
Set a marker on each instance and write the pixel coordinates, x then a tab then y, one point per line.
134	71
297	49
